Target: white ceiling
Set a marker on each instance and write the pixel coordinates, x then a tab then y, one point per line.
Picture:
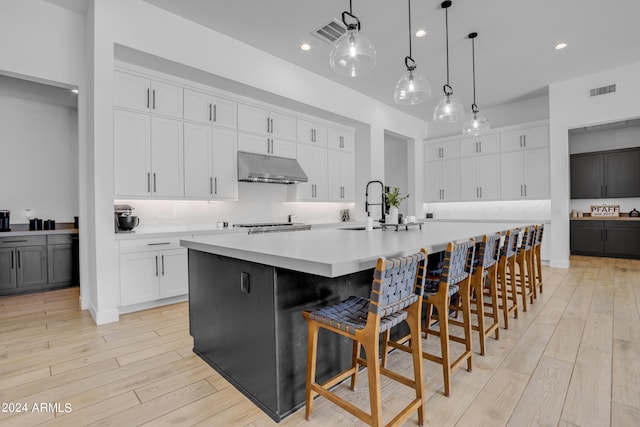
515	58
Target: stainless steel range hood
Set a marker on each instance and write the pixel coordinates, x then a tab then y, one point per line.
276	170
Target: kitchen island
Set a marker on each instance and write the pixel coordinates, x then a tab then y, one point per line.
247	292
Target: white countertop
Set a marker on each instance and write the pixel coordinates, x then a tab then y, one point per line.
333	253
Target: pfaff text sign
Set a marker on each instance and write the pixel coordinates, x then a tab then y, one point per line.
605	210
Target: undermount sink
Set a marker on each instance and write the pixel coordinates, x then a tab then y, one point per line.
377	227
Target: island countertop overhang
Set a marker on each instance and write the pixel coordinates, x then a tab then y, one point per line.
334	253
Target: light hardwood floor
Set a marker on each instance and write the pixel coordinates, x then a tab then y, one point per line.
573	359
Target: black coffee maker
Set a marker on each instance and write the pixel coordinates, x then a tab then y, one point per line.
4	220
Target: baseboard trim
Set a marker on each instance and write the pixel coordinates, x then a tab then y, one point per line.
103	317
560	264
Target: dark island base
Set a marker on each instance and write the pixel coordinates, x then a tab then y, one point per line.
246	322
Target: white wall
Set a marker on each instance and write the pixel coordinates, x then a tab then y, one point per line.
570	107
40	160
140	26
607	139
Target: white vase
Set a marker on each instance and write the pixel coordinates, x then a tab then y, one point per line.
393	215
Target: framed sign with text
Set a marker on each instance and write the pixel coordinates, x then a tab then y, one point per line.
605	210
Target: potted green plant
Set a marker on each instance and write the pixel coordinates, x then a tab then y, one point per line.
394	199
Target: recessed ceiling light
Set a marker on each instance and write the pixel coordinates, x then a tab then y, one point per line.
560	46
421	33
74	91
305	46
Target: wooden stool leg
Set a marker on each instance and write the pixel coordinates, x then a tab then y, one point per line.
504	293
493	288
312	346
479	302
466	318
385	347
414	320
531	277
514	285
373	373
539	267
355	354
443	314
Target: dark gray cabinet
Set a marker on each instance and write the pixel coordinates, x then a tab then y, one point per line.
606	174
60	258
23	262
610	238
36	263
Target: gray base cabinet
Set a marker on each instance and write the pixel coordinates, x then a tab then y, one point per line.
35	263
616	239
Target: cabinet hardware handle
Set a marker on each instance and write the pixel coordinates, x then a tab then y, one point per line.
19	260
268	128
210	185
156	265
154	183
163	265
271	125
12	260
154	99
311	132
15	241
158	244
215	113
215	180
148	182
342	142
147	98
480	146
524	141
525	190
210	115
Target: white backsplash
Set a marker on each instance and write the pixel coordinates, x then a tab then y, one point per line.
626	204
256	203
507	210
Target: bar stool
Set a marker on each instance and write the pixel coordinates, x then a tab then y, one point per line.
396	295
484	280
524	261
454	279
537	263
506	275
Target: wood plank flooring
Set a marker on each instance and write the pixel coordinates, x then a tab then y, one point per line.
573	359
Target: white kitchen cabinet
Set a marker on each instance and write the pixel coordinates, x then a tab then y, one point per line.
525	174
313	161
442	181
340	176
132	153
311	133
143	94
441	151
210	162
340	140
152	269
265	145
532	138
264	122
205	108
485	144
148	154
480	178
167	178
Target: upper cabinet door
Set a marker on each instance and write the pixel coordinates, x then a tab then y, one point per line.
166	99
340	140
537	137
622	174
253	119
132	91
311	133
167	150
587	177
536	174
197	106
479	145
198	178
441	151
283	126
224	112
225	164
132	153
204	108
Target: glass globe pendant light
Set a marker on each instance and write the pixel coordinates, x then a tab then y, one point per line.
412	88
352	54
477	123
449	110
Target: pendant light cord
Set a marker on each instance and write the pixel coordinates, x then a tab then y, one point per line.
447	89
410	52
473	65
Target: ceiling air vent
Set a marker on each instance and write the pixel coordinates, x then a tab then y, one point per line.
330	32
602	90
